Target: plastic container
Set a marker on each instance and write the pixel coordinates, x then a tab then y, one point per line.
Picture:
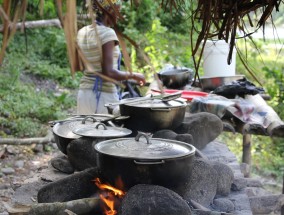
187	94
215	59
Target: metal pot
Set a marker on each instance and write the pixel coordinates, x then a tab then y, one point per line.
211	83
176	78
142	160
153	115
63	129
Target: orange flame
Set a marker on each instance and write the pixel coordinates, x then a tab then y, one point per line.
109	200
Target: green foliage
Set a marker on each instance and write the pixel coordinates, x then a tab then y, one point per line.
25	108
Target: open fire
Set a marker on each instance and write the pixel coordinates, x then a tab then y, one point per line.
108	197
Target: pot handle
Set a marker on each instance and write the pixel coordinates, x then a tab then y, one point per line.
102	124
89	117
140	134
149	162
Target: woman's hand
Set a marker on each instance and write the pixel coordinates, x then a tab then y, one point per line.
139	78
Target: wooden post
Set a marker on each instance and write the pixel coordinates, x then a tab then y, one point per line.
247	149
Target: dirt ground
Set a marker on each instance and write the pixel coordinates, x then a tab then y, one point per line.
18	163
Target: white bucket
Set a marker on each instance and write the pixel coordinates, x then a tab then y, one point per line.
215	59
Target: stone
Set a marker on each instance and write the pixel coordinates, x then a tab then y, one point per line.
225	178
251	182
256	191
81	153
26	194
202	184
239	184
187	138
145	199
62	164
267	204
76	186
19	164
223	205
8	171
165	134
204	128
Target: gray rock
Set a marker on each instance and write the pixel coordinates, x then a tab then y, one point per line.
225	178
8	171
223	205
62	164
19	164
267	204
49	174
26	194
76	186
165	134
256	191
81	153
239	184
204	128
202	185
187	138
251	182
145	199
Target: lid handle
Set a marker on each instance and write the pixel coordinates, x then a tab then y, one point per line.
102	124
140	134
88	117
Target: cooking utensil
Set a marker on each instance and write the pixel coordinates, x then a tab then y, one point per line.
175	78
211	83
144	160
100	130
62	130
153	115
162	97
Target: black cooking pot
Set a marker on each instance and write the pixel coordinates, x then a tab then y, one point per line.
141	160
176	78
63	129
153	115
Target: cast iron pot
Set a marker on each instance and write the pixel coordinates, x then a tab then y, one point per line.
176	78
141	160
63	129
153	115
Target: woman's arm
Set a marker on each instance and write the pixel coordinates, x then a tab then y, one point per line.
108	70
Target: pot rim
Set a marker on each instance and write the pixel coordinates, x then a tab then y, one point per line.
116	148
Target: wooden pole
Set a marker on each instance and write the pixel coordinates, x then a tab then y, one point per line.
246	149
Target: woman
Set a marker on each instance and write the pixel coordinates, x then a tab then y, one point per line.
99	44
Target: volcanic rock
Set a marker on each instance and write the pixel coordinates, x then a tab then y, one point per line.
62	164
202	185
145	199
76	186
204	128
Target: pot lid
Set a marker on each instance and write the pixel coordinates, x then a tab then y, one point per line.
101	130
158	103
64	128
144	148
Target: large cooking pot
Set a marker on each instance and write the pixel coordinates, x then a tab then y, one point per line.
63	129
142	160
153	115
175	78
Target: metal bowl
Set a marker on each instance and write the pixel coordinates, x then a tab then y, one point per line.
176	78
212	83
